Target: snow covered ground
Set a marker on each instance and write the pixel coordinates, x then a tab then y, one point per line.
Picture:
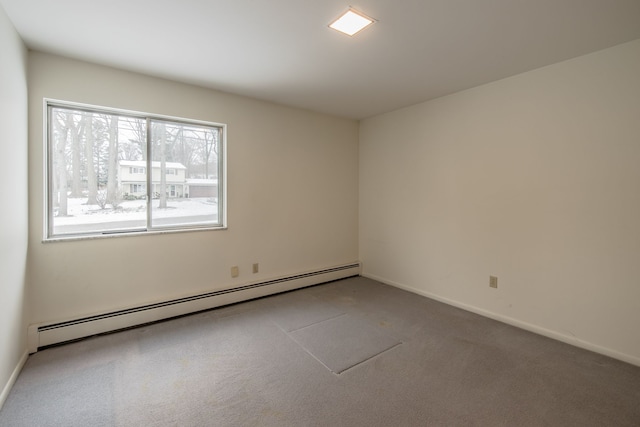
131	210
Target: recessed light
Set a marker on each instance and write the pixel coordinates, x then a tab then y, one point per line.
351	22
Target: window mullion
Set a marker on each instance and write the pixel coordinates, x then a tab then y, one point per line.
149	174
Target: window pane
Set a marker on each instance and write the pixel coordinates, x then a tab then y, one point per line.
184	174
93	181
100	181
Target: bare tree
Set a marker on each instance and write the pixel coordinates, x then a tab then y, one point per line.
112	173
163	165
167	135
137	142
101	199
61	167
92	182
75	130
210	145
132	145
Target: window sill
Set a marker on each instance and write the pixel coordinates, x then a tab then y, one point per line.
56	239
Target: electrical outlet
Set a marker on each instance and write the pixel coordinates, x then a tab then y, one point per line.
235	271
255	268
493	282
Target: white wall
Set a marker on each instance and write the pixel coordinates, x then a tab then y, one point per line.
14	210
292	197
535	179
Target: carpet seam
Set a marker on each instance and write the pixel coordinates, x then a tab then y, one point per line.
316	323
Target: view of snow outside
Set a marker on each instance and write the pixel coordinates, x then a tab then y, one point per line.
133	214
131	210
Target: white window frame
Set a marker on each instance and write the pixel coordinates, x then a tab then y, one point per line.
48	213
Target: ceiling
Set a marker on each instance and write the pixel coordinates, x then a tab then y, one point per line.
282	50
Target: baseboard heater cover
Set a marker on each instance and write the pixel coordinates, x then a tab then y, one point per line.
44	335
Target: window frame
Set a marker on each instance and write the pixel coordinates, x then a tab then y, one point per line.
148	229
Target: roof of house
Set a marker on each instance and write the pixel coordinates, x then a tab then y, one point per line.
142	163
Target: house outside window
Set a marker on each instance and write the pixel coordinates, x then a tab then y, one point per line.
120	172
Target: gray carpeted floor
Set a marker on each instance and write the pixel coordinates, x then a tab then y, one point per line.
349	353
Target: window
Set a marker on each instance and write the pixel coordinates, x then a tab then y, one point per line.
111	171
138	188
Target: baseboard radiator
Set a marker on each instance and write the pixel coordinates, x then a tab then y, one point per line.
43	335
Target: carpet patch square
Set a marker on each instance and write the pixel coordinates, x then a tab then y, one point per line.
343	342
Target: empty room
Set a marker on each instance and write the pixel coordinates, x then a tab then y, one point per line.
296	213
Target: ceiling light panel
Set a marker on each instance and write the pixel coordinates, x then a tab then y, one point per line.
351	22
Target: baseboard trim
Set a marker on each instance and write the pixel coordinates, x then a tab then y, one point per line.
52	333
12	379
514	322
